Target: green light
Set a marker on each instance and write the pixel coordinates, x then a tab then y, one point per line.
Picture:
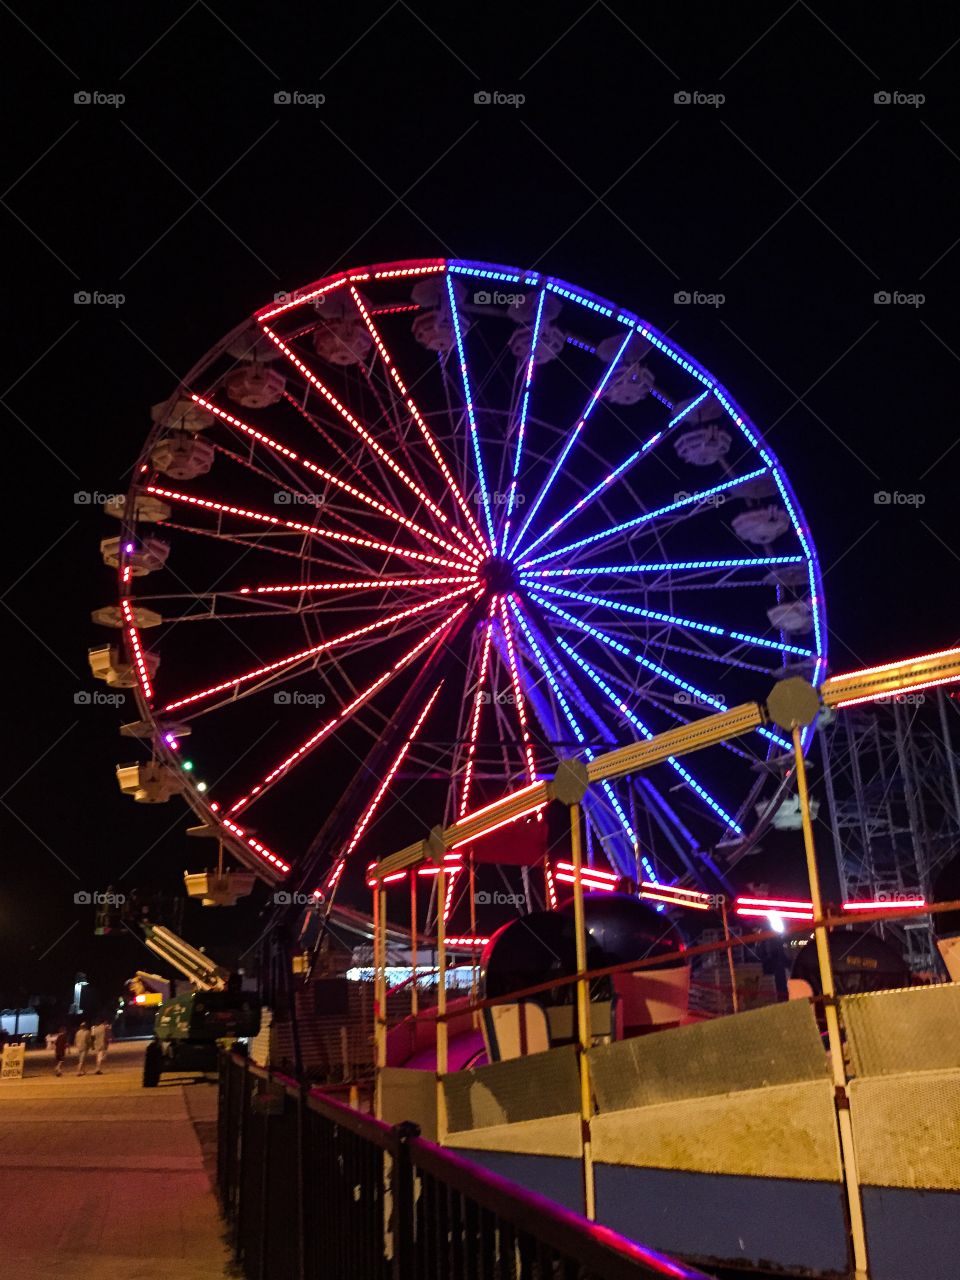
187	766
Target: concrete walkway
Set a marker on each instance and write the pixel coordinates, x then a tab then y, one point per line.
103	1179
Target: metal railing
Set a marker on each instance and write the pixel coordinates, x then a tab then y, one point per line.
314	1190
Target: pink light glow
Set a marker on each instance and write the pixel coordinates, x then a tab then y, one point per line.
477	707
415	414
363	433
349	709
303	654
255	845
329	478
133	635
518	692
362	585
466	941
208	504
381	791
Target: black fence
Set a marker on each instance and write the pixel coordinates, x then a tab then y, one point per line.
314	1190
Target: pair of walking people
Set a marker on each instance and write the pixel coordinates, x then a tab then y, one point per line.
87	1040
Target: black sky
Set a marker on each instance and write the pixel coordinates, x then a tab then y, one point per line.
798	198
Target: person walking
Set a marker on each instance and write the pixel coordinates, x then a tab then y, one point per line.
59	1050
81	1043
101	1042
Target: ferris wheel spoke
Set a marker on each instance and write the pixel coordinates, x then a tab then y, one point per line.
574	724
329	478
491	541
424	430
666	566
518	698
645	732
522	423
701	695
477	711
296	526
333	879
688	624
571	441
305	655
612	476
689	503
364	584
283	768
376	448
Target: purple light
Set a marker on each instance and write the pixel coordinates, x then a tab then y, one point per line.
129	548
471	417
521	430
650	515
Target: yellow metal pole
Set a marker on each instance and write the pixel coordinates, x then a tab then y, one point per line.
854	1200
441	1004
379	990
583	1016
414	993
730	965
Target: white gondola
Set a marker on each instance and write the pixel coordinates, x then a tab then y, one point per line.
793	616
146	508
184	415
107	665
143	555
149	783
761	525
254	385
111	616
182	457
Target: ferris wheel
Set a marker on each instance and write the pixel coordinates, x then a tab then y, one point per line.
415	532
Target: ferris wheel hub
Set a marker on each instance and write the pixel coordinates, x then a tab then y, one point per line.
499	575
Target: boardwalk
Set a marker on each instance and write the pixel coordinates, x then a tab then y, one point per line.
101	1178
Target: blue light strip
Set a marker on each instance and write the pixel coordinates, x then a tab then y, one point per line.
483	272
578	733
579	298
465	376
663	399
655	616
591	403
751	562
650	515
647	733
583	346
615	474
717	703
521	430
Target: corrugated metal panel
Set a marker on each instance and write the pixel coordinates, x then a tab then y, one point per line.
773	1046
544	1084
889	1032
787	1131
906	1130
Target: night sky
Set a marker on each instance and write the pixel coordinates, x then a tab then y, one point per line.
781	184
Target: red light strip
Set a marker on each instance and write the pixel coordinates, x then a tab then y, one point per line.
348	710
566	878
892	694
551	887
593	872
329	478
363	433
415	413
477	707
675	902
255	845
466	941
381	791
364	585
208	504
133	635
518	693
303	654
394	311
300	299
448	900
880	905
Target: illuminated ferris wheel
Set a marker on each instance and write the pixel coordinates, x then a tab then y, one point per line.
415	532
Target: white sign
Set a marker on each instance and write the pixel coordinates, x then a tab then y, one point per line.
11	1066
